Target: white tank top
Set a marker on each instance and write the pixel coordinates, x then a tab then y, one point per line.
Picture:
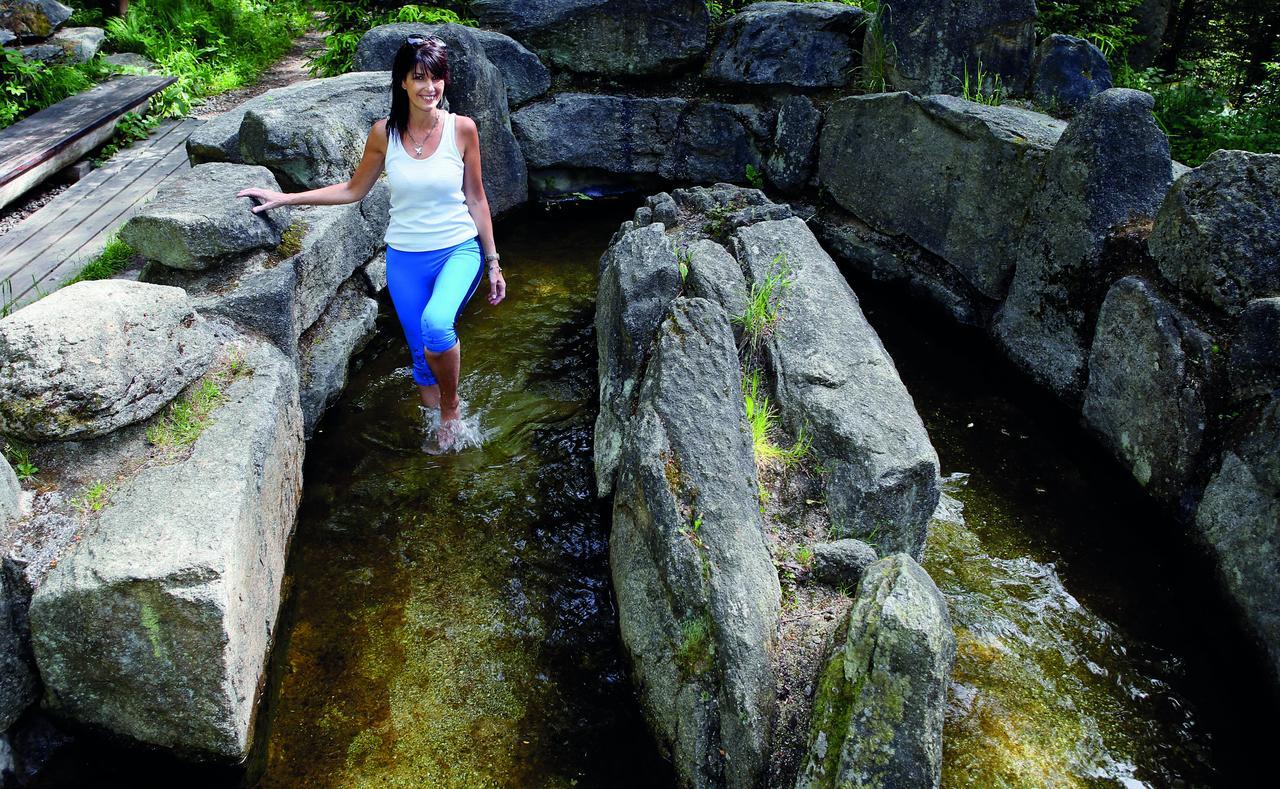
428	207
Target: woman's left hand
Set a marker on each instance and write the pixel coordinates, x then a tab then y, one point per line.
497	285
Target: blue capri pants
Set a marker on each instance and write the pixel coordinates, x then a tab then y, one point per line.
429	290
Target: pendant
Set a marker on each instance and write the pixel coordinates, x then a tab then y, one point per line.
417	150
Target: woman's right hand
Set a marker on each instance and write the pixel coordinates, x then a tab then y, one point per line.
269	198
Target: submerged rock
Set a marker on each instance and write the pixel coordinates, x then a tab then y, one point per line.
698	596
1239	518
476	91
1148	372
95	356
878	713
926	46
1069	71
834	380
798	45
1110	168
1217	235
954	176
195	221
614	37
157	624
639	276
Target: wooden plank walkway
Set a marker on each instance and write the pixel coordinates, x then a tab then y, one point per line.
52	245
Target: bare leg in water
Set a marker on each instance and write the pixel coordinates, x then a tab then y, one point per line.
445	367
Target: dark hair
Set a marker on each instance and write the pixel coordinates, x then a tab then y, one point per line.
432	57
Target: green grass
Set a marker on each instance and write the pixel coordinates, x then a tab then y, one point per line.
113	259
876	52
683	259
754	177
983	87
762	419
188	416
93	498
696	651
19	456
132	127
763	302
804	556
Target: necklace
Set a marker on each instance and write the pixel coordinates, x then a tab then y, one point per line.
417	148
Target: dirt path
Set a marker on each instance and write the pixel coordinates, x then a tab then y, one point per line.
286	71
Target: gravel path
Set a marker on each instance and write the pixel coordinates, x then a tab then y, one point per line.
288	70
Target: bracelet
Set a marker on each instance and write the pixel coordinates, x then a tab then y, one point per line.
491	256
496	267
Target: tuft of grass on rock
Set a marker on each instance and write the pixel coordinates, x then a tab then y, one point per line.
113	259
762	304
188	416
696	651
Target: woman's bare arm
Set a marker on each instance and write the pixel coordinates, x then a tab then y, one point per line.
354	190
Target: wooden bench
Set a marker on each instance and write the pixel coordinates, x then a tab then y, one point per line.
38	146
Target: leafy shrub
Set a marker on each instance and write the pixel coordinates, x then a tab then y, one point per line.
346	24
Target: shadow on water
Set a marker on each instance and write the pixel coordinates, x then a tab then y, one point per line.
1093	645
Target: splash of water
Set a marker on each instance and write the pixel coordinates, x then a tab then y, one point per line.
453	435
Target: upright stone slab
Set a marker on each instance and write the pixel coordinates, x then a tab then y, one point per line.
928	45
639	276
95	356
698	596
1149	370
835	381
822	41
1217	235
1239	519
1068	72
195	221
1110	168
878	712
636	141
327	347
477	92
954	176
795	144
523	74
613	37
157	626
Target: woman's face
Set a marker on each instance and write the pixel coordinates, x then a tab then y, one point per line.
424	89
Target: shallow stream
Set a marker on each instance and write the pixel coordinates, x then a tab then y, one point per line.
449	620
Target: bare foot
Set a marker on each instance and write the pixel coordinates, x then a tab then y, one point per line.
447	434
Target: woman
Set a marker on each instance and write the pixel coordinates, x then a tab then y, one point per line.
440	220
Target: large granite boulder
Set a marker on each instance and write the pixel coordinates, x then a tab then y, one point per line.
327	347
1111	168
157	625
636	140
312	134
218	139
1149	370
614	37
834	380
1239	518
96	356
31	19
698	596
928	45
280	294
522	72
639	276
79	44
795	144
1255	354
954	176
1068	72
715	275
476	91
796	45
1216	236
195	221
842	563
878	712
